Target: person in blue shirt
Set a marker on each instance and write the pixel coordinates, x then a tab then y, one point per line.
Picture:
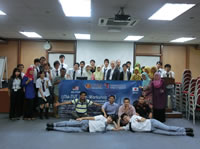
110	108
29	90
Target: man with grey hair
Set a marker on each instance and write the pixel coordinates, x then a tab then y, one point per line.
113	73
118	65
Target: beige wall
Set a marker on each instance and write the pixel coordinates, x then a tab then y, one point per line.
176	56
9	50
34	49
31	50
194	61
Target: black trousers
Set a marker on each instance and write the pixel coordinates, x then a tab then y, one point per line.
29	103
15	104
159	114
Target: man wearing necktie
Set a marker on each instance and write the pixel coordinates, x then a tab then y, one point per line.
82	65
105	68
62	62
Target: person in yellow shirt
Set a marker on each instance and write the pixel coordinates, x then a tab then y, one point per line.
136	76
98	74
152	72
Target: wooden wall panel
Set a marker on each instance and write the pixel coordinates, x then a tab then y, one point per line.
194	61
9	50
31	50
63	46
147	49
176	56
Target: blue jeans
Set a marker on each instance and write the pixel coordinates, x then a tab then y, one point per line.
160	128
72	126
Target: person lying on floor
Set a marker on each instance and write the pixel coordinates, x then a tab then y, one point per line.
139	124
85	124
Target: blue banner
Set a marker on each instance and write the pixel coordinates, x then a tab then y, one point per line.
98	91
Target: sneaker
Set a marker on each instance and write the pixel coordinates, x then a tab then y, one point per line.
50	125
49	128
188	129
191	134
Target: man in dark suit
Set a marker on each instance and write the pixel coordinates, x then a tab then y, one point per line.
113	73
125	75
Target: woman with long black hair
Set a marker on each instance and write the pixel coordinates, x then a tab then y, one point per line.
15	93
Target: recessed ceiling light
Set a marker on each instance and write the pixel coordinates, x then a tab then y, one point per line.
76	8
170	11
183	39
82	36
133	38
31	34
2	13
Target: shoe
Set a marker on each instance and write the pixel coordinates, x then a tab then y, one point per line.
188	129
191	134
50	125
49	128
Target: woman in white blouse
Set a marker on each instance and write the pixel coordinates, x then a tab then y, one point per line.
15	93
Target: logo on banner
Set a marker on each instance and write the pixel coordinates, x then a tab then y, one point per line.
75	88
135	90
106	85
88	85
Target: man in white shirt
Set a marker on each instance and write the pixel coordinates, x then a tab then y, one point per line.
105	68
85	124
43	84
56	71
73	73
21	68
170	90
82	69
113	73
36	69
62	62
159	68
139	124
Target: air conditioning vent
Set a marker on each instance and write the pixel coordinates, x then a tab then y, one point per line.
116	23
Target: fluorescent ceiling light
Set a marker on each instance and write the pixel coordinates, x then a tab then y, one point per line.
183	39
2	13
31	34
133	38
76	8
82	36
170	11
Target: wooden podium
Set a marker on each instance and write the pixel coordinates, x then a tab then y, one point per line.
169	81
4	101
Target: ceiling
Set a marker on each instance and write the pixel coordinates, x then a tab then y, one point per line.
47	18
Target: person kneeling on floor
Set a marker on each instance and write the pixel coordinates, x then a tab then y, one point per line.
139	124
85	124
81	105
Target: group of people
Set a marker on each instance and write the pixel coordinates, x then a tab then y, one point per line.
39	86
137	118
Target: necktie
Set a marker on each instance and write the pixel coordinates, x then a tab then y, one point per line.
81	71
74	73
56	72
104	73
43	88
45	74
61	65
167	75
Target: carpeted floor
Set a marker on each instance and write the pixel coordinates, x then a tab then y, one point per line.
32	135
